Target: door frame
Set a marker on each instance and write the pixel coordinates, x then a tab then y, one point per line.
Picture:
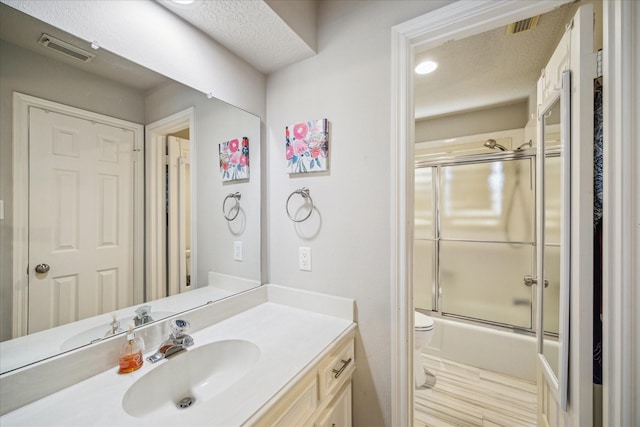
457	20
176	232
621	216
21	105
155	160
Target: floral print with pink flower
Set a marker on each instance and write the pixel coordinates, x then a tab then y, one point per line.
234	159
307	146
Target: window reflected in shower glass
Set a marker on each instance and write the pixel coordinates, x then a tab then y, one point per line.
424	217
490	201
484	281
423	273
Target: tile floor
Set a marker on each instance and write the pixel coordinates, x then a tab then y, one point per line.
467	396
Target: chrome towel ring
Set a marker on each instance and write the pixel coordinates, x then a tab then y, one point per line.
234	210
304	192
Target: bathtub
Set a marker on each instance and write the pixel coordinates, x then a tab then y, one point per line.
502	351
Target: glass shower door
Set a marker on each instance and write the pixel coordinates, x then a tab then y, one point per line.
486	240
424	248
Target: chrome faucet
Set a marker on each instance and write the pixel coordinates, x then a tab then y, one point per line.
114	327
142	315
177	341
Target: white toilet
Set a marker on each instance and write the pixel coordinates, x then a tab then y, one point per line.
422	333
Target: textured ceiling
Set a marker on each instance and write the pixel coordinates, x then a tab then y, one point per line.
487	69
250	29
23	30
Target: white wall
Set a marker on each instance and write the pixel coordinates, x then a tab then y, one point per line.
347	83
498	118
216	122
300	16
36	75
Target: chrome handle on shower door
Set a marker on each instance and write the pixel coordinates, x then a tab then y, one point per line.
529	280
42	268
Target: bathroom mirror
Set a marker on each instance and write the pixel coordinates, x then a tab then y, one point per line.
553	237
112	86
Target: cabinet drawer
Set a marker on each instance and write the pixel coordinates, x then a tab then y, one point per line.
340	366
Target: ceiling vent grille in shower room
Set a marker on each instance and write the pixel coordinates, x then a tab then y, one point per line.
523	25
65	48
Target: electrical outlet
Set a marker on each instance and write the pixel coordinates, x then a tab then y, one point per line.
304	258
237	250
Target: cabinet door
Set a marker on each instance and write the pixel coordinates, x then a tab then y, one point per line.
338	414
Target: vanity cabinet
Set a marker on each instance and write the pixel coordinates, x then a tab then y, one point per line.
338	414
300	375
321	396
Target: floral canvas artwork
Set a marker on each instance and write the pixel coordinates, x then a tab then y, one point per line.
307	146
234	159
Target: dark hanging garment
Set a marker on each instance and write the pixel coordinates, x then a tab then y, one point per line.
597	236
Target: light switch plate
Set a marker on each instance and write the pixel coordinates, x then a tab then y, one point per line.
304	258
237	250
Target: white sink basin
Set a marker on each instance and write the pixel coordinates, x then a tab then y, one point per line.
190	378
97	333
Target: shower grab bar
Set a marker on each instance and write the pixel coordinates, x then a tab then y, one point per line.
304	192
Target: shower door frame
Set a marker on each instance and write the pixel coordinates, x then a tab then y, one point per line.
438	163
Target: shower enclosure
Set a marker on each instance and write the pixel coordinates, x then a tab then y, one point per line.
474	244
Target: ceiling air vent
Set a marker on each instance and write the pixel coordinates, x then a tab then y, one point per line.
65	48
524	25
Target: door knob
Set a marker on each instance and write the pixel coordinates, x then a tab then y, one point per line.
528	281
42	268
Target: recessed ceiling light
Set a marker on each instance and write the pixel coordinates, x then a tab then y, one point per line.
426	67
183	1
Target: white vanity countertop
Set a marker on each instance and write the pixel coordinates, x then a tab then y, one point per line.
289	339
31	348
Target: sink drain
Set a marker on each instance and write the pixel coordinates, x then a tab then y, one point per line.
186	402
